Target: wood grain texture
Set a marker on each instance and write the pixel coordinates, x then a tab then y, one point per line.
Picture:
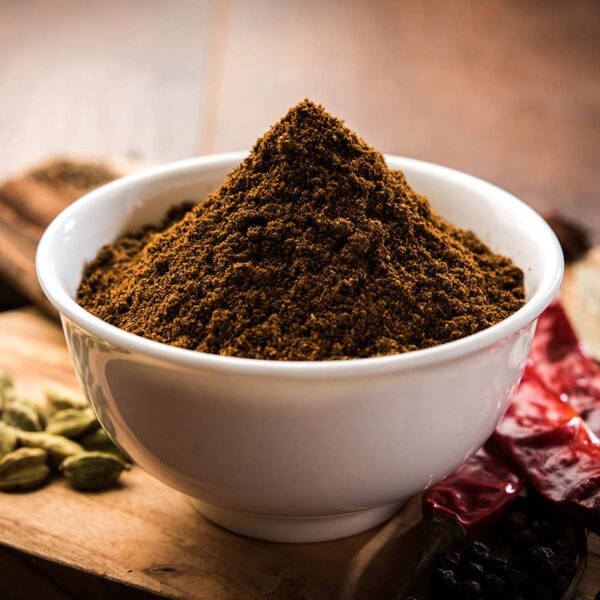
508	91
26	576
28	203
148	536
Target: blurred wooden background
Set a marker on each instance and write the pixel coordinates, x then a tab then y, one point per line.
508	90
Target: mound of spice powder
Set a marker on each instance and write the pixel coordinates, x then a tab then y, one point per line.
311	249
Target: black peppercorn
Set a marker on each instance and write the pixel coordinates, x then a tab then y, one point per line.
468	590
449	560
472	570
494	585
521	581
542	561
566	566
498	565
443	581
477	552
563	547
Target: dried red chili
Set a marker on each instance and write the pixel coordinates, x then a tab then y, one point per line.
564	367
550	443
559	369
477	492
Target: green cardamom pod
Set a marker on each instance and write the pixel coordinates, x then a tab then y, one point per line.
7	389
8	439
93	470
39	409
22	415
59	397
99	440
23	469
57	446
72	422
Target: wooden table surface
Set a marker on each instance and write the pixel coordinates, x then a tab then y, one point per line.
505	89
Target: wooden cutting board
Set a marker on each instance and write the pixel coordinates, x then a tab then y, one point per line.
146	535
28	202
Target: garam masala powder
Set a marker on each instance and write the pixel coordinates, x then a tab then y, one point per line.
311	249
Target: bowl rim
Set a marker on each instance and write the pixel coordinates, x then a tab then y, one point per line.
69	309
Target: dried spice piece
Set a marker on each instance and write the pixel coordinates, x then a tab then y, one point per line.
57	446
551	567
564	367
545	437
28	466
23	469
444	534
92	471
99	440
22	415
555	450
7	390
72	422
40	411
59	397
312	249
574	239
8	439
478	492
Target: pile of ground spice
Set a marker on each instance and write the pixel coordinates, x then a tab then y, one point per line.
311	249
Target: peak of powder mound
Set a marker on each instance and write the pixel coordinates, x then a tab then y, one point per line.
311	249
310	134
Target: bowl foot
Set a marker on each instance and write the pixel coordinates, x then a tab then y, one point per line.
296	529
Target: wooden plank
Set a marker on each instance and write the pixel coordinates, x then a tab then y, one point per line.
509	91
111	78
26	576
27	205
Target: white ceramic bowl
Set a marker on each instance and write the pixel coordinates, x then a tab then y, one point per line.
296	451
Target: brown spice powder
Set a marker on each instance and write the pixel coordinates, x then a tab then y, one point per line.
312	249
